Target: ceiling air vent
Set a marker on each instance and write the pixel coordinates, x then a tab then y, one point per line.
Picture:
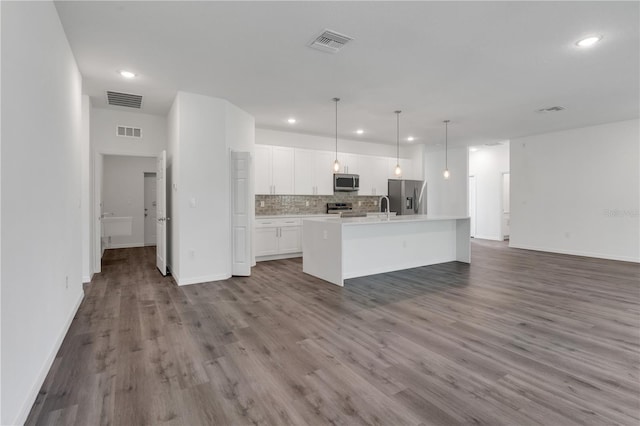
330	41
129	132
124	99
552	109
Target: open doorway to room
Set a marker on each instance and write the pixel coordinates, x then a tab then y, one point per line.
489	191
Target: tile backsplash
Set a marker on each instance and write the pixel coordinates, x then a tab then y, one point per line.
297	204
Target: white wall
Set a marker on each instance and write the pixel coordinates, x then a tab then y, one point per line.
202	131
578	191
322	143
123	194
447	197
41	199
86	181
104	139
487	165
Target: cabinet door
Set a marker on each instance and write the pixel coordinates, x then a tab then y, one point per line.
366	171
405	164
378	167
323	172
290	241
348	163
303	175
266	241
262	169
282	170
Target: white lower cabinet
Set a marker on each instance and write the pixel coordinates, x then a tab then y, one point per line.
275	237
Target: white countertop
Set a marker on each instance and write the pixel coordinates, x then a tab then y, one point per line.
380	220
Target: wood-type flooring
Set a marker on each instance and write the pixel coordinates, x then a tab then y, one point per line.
516	338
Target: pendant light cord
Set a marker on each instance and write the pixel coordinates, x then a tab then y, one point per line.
336	101
398	137
446	144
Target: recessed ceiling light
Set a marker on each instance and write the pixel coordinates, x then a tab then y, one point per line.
473	149
127	74
588	41
410	139
359	131
291	120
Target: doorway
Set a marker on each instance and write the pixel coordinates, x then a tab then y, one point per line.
150	214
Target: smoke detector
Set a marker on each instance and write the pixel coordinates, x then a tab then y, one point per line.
552	109
124	99
330	41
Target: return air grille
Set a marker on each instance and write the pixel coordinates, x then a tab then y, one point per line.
129	132
124	99
330	41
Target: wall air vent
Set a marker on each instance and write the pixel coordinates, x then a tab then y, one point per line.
330	41
552	109
124	99
129	132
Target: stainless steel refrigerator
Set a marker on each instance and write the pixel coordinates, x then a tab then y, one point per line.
408	196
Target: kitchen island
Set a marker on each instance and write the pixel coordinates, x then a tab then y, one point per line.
335	249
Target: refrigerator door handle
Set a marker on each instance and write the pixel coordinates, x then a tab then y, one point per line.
424	184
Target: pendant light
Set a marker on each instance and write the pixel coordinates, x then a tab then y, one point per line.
336	164
446	173
398	170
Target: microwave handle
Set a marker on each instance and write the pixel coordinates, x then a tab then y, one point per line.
353	179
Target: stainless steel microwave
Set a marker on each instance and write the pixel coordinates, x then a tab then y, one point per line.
346	182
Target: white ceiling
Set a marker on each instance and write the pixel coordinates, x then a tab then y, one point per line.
486	66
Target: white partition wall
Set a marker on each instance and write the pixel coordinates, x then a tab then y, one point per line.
202	130
578	191
41	199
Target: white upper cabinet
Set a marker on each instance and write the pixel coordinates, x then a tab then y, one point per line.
313	172
373	175
349	163
263	169
274	169
406	166
323	172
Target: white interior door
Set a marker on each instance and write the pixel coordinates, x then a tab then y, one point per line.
161	211
150	203
241	214
472	204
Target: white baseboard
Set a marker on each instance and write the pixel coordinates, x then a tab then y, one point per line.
202	279
126	245
575	253
488	237
33	394
276	257
87	279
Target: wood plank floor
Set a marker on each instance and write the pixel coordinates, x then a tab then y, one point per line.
516	338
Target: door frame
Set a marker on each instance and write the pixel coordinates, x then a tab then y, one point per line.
473	217
96	199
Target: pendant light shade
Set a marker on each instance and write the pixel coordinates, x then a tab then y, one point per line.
446	173
336	164
398	170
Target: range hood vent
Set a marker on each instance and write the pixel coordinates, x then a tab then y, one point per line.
124	99
552	109
330	41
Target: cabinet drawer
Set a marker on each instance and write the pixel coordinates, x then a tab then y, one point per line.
278	223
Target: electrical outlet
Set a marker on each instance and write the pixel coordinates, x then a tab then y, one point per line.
66	284
375	202
261	203
192	254
325	235
306	203
359	203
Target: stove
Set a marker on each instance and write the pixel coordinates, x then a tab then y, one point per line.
339	208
